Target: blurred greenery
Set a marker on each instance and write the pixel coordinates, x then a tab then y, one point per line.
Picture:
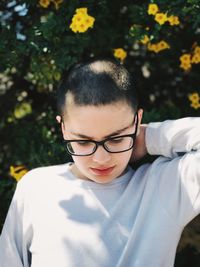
37	46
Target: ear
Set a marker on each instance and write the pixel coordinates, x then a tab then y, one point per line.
59	120
140	114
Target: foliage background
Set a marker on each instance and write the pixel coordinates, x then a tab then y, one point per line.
37	46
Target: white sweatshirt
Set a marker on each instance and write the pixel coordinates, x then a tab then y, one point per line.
56	219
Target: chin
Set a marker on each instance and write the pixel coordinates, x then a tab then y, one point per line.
102	180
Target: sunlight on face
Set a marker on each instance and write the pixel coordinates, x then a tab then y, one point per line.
96	123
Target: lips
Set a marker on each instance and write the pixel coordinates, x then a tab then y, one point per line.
102	171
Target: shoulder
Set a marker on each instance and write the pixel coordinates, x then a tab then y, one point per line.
41	185
42	175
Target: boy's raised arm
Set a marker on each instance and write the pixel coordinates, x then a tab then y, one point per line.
178	171
173	137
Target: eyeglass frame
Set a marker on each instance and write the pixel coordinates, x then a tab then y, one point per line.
102	142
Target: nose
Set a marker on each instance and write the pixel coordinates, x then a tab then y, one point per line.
101	156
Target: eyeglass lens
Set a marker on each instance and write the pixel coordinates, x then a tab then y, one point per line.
118	144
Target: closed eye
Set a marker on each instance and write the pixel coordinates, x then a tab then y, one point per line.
82	143
116	140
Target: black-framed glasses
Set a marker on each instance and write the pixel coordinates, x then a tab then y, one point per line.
117	144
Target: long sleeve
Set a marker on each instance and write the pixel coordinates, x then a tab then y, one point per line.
178	141
16	233
171	137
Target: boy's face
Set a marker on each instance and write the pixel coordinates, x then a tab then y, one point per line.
98	122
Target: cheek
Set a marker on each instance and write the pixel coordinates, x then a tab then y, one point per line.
123	158
81	161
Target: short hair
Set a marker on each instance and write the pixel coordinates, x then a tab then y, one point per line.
97	82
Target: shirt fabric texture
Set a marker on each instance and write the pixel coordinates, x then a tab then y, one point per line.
57	219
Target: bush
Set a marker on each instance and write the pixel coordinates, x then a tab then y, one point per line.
158	41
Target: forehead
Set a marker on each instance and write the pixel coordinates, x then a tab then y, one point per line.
98	121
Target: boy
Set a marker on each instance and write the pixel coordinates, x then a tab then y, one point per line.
98	211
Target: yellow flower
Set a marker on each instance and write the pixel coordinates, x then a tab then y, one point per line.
81	21
17	172
120	53
185	58
195	58
162	45
73	27
89	21
57	3
185	65
82	27
152	47
82	10
44	3
152	9
197	50
161	18
173	20
78	18
185	62
145	39
84	20
194	97
195	105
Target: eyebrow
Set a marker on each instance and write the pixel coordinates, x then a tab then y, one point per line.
105	137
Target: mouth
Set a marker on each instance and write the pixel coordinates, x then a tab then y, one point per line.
102	171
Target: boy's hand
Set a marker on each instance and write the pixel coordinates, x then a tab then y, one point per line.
139	149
